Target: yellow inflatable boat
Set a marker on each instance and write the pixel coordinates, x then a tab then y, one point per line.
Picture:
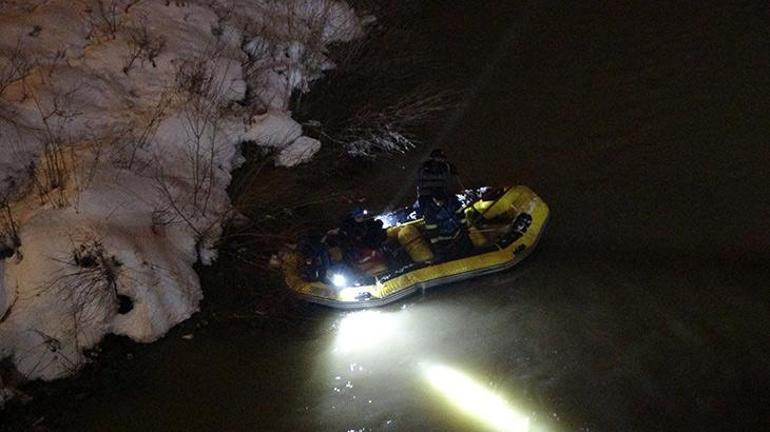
503	227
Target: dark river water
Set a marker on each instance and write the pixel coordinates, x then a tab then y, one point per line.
646	306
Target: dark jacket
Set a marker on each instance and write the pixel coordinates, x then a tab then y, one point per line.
436	178
367	233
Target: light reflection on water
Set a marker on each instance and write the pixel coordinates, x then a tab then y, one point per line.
364	331
475	400
383	362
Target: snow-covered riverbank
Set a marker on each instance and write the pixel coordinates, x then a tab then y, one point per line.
120	123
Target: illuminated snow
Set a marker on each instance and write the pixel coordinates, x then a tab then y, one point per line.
125	168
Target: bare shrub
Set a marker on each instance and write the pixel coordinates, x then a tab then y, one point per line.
194	77
202	90
86	287
9	230
95	145
374	130
56	113
143	46
54	347
289	41
106	17
87	158
383	94
14	65
128	141
103	267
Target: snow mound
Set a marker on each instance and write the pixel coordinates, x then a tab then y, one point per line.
301	150
119	123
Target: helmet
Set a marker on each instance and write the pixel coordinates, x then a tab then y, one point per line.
437	154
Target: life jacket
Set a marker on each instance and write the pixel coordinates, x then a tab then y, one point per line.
434	177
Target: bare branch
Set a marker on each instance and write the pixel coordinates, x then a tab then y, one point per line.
10	242
106	17
55	112
373	130
144	46
14	65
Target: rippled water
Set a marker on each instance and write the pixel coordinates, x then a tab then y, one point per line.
645	306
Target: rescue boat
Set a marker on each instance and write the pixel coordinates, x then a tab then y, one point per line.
503	227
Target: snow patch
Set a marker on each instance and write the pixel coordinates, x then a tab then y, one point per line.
273	129
300	151
119	134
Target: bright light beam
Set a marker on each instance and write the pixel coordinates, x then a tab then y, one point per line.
366	331
475	400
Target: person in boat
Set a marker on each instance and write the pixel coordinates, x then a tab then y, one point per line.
437	203
316	258
362	238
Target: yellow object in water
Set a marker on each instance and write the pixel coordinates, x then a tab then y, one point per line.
507	231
